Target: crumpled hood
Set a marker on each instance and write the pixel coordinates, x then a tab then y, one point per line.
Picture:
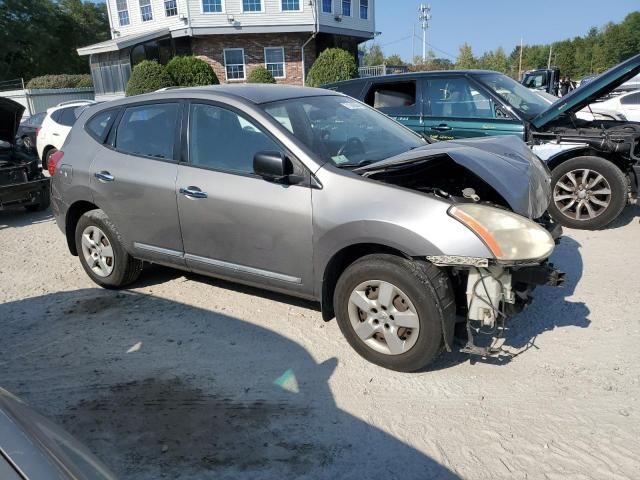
506	163
10	115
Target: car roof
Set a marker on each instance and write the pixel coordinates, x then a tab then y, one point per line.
408	75
255	93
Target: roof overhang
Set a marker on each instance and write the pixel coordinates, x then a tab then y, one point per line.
120	43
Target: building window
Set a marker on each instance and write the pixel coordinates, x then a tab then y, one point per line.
290	5
145	10
251	5
234	63
274	61
364	9
170	8
212	6
346	8
327	6
123	12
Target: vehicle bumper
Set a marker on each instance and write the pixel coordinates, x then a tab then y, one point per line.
28	193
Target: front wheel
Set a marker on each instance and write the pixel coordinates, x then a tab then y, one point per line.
392	310
101	252
588	193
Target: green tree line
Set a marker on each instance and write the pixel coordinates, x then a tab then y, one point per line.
40	37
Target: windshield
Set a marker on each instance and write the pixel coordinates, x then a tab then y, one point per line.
343	131
516	95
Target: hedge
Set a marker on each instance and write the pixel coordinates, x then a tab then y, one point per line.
260	75
61	81
332	65
148	76
191	72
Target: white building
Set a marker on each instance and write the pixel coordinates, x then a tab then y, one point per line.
232	35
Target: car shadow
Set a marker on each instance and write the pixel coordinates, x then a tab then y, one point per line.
15	217
161	389
550	309
628	215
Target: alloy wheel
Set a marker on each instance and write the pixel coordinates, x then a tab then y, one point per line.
582	194
383	317
98	252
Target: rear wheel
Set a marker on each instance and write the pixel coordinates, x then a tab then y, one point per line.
101	252
588	193
391	310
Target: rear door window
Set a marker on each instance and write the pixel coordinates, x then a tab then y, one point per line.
149	130
393	98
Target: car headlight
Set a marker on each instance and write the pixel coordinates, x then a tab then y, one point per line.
509	236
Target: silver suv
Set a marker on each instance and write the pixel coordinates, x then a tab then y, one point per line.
311	193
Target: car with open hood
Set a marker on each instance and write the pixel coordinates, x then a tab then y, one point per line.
313	194
594	162
32	447
22	182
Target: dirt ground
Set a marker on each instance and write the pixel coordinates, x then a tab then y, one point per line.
187	377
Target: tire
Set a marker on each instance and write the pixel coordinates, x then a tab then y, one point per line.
38	207
599	216
429	293
124	269
47	155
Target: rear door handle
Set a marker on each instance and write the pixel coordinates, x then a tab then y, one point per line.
193	192
104	176
442	127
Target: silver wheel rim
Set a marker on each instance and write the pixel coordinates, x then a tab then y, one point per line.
582	194
97	251
383	317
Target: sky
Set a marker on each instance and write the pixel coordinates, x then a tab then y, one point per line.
488	24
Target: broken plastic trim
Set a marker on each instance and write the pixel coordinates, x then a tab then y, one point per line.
454	260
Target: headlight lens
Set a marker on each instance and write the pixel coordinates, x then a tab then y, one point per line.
509	236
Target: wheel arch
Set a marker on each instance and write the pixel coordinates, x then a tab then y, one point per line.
45	151
560	158
75	211
338	264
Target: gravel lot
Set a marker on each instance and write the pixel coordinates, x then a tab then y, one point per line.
188	377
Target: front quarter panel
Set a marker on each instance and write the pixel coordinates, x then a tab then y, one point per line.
351	210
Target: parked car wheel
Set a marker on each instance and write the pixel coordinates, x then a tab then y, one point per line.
101	252
391	310
47	156
42	205
588	193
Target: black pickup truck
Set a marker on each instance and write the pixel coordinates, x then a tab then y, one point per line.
22	182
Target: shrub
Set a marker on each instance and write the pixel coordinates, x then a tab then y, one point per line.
332	65
260	75
191	72
61	81
148	76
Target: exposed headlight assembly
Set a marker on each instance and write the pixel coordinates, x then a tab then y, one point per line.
510	237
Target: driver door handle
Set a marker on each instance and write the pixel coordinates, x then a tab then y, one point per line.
443	127
193	192
104	176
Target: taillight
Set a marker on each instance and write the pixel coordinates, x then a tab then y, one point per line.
54	158
38	131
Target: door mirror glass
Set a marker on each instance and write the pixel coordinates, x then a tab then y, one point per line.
272	166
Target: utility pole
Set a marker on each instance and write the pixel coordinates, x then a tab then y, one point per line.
413	45
424	15
550	51
520	68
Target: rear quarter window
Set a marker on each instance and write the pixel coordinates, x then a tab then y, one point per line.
99	125
67	116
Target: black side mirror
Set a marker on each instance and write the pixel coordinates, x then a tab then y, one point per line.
272	166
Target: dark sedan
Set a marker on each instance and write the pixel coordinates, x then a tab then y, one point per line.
28	129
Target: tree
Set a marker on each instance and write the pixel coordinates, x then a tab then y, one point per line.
394	59
260	75
332	65
373	56
148	76
494	60
465	59
187	71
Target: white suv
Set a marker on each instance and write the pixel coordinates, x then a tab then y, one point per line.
56	126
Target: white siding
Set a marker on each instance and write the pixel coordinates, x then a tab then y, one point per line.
272	16
354	22
136	25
